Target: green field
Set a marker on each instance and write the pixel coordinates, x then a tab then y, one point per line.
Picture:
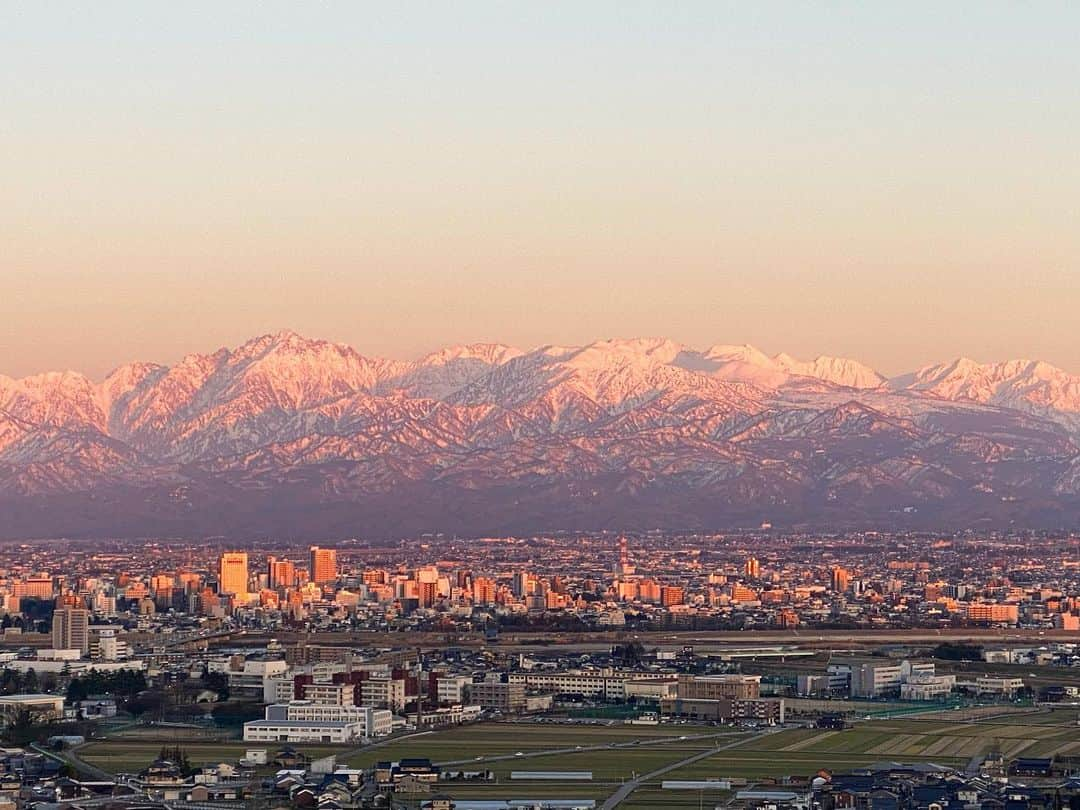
128	756
123	753
621	752
506	739
801	752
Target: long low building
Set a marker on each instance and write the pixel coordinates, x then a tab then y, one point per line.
301	731
71	667
373	722
594	685
40	706
769	711
317	721
696	784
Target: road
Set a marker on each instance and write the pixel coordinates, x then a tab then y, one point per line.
649	742
702	641
619	796
396	738
69	757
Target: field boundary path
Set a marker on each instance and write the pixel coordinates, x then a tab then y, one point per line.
620	795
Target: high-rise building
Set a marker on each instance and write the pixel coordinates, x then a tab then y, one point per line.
484	591
323	565
233	573
522	584
375	576
71	629
752	568
993	612
672	595
427	593
740	593
840	578
649	591
106	644
280	573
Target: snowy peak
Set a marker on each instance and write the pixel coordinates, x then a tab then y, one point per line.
492	354
748	364
56	398
266	434
722	353
1031	385
835	370
640	352
442	373
298	372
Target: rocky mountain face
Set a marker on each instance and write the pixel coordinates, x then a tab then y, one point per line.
288	436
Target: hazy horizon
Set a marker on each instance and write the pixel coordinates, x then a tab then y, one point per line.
895	185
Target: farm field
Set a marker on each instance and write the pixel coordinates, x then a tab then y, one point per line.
609	766
630	751
801	752
506	739
127	753
129	756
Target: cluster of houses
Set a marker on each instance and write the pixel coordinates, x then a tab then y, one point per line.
1025	784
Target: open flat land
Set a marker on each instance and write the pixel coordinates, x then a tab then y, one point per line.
130	756
618	753
491	740
801	752
125	752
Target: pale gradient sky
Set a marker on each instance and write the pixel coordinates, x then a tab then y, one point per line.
900	185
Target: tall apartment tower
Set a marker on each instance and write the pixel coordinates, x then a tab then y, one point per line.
233	573
280	573
752	568
71	629
522	584
323	565
484	591
840	577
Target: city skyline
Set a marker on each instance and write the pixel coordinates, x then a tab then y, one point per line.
955	652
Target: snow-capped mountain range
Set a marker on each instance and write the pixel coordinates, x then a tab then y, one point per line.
291	436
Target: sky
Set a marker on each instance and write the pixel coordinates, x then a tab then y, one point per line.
895	182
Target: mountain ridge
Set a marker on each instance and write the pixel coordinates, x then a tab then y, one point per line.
492	437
